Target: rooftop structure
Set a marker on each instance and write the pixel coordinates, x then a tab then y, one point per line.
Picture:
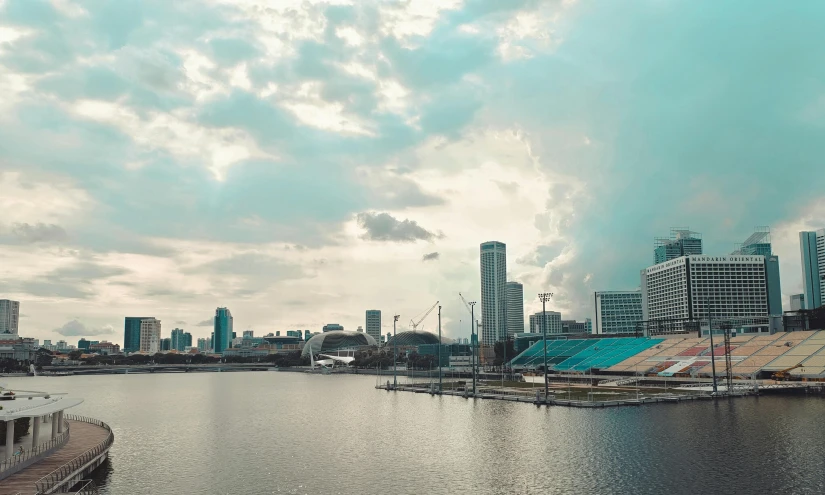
682	242
414	338
759	243
336	340
332	327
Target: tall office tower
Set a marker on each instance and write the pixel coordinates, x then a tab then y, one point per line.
618	311
178	340
373	324
187	340
515	307
734	287
493	295
166	344
131	333
812	247
150	335
202	344
682	242
9	316
553	322
223	330
797	302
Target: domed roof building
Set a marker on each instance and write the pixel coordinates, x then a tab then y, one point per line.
416	338
335	340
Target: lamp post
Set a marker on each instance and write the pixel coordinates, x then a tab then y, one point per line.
544	297
473	342
394	354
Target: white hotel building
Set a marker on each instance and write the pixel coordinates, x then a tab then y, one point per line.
735	287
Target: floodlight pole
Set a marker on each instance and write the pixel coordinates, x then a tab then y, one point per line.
394	354
439	350
473	342
712	350
544	297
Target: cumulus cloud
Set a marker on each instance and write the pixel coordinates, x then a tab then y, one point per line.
75	328
387	228
430	256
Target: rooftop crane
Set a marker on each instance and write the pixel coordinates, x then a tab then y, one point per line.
415	324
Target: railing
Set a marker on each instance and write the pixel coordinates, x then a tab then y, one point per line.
27	458
61	475
87	487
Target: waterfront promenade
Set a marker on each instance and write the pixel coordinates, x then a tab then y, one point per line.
84	437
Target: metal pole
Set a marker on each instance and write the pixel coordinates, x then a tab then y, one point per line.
394	354
439	350
545	296
473	342
712	350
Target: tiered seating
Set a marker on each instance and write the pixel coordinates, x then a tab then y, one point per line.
693	351
583	354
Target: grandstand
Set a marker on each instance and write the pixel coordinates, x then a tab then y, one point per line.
802	354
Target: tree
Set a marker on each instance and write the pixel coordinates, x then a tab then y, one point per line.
43	357
499	350
21	428
75	355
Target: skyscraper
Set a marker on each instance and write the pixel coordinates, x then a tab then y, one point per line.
682	242
202	344
493	294
797	302
223	330
812	247
131	333
150	335
373	324
179	340
515	307
9	316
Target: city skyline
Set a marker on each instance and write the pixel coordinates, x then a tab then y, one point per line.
184	162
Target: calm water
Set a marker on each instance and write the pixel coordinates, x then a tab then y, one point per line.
275	432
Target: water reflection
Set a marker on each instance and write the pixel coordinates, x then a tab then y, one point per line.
259	433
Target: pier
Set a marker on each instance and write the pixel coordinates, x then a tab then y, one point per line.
52	452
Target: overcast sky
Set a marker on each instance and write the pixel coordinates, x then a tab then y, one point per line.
300	162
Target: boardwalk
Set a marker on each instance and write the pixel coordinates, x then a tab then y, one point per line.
82	437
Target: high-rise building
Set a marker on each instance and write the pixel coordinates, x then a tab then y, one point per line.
209	347
180	340
202	344
330	327
812	247
553	322
131	333
166	344
373	324
249	334
9	316
493	293
618	311
150	335
734	287
682	242
84	344
514	295
797	302
223	330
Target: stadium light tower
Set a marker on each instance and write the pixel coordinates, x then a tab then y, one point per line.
394	354
544	297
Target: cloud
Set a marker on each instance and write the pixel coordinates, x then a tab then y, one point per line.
210	322
430	256
75	328
384	227
39	232
180	322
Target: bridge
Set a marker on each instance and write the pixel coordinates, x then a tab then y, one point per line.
157	368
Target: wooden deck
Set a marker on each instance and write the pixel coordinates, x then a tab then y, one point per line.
82	437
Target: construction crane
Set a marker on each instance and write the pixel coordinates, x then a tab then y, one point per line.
415	324
785	374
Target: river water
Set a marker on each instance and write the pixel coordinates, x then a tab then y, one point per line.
278	432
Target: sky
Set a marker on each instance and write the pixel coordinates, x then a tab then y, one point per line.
300	162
